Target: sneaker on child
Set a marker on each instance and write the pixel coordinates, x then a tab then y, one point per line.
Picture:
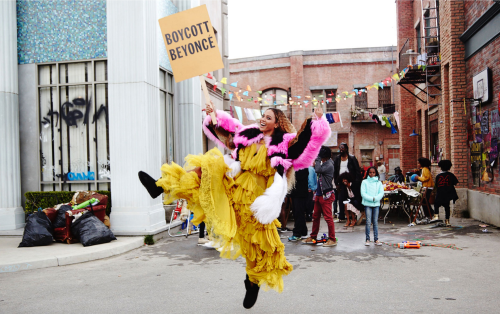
294	238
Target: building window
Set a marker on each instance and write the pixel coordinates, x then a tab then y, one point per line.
331	105
434	145
384	100
418	35
166	116
367	157
393	153
276	98
73	125
427	24
361	100
318	97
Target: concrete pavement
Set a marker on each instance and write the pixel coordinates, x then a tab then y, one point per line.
177	276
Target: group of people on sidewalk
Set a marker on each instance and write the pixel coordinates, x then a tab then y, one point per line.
340	180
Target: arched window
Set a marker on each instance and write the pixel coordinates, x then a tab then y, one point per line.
275	98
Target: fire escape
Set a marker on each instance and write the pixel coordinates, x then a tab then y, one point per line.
424	67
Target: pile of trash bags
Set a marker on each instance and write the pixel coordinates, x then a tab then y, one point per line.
44	226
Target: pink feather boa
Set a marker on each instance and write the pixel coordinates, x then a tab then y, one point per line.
320	133
243	140
281	147
276	161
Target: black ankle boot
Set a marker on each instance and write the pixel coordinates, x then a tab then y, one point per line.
150	184
252	293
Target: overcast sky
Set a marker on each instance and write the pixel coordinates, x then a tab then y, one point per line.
261	27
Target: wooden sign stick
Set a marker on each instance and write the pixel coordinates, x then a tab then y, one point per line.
207	99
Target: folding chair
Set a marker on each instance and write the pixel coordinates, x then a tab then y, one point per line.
418	203
178	218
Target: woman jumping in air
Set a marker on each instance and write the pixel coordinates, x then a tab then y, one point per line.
239	196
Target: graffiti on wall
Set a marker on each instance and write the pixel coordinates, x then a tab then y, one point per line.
71	113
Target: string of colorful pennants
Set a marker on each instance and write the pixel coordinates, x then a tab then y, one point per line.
254	114
300	99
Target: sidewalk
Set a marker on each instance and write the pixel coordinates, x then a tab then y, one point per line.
13	259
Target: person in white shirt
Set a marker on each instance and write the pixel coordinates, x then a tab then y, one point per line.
381	170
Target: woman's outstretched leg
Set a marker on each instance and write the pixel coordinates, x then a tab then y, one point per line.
150	184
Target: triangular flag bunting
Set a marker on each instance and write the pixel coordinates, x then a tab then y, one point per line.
235	84
248	88
224	80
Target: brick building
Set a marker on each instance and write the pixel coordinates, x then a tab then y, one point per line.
321	74
450	51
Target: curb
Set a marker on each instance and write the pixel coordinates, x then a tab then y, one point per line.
85	254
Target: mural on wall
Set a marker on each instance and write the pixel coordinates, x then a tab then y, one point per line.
60	30
165	8
485	129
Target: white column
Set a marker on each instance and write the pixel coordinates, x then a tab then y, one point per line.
134	115
188	132
11	212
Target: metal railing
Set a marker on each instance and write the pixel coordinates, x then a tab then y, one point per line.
404	59
363	115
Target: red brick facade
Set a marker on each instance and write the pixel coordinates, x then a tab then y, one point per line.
304	72
451	116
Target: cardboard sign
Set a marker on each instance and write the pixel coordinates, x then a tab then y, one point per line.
191	44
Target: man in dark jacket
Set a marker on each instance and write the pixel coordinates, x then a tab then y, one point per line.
324	197
398	176
299	205
345	163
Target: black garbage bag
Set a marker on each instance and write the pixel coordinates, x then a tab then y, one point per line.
38	231
60	221
90	230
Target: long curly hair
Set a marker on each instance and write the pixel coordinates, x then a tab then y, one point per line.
284	125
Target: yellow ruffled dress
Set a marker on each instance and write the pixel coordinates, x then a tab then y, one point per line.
224	204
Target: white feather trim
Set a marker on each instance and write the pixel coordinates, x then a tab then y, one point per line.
234	165
228	160
235	169
267	207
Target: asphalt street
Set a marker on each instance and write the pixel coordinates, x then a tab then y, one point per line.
177	276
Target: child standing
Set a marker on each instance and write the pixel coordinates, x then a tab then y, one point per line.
428	184
445	189
372	192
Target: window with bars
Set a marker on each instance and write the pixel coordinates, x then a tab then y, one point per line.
361	100
167	115
73	126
